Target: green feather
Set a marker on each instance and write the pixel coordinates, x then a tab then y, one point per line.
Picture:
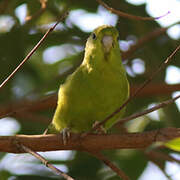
96	89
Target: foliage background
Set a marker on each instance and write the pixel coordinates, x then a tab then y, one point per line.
40	77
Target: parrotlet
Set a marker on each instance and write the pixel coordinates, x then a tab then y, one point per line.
95	89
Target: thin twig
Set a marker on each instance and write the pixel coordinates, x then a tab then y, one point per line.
38	13
129	16
146	38
161	155
33	50
106	161
161	167
142	41
139	114
149	36
160	164
161	66
44	161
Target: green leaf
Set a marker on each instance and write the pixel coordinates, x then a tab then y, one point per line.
173	144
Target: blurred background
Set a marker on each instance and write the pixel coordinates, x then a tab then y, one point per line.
28	101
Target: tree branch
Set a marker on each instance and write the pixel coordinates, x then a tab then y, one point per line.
156	89
144	39
27	105
129	16
32	51
146	82
91	142
44	161
38	13
161	167
16	108
106	161
139	114
161	155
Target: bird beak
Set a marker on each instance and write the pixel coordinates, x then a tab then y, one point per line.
107	42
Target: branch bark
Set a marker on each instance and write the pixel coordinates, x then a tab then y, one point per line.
91	142
106	161
156	89
33	50
45	162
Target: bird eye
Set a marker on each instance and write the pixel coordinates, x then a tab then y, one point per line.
93	36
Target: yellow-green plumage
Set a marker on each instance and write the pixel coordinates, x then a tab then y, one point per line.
96	89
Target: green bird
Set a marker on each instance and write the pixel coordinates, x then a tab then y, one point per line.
96	89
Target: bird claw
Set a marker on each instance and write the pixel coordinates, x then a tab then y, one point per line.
100	130
65	135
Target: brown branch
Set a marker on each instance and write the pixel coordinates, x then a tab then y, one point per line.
161	155
31	116
43	160
16	108
161	66
142	41
158	159
129	16
148	37
92	142
154	108
156	89
33	50
161	166
106	161
38	13
27	105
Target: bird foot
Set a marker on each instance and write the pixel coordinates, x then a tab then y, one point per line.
100	130
65	135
